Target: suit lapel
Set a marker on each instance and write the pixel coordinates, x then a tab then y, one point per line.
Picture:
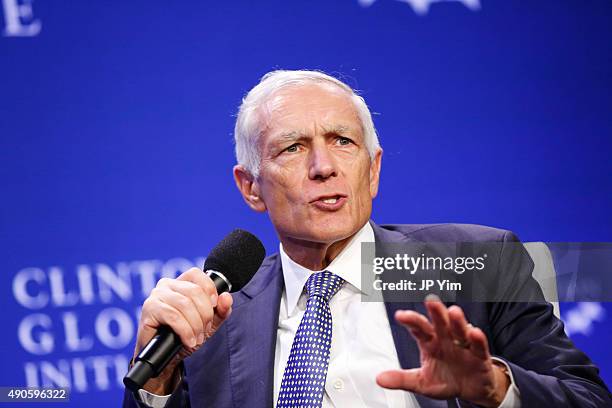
251	336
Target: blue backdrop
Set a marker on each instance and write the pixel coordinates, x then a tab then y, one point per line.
116	124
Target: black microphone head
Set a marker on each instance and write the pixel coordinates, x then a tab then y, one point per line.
238	256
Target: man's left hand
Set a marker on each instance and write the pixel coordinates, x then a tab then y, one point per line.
455	359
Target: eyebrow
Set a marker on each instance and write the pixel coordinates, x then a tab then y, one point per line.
289	136
339	129
284	138
296	135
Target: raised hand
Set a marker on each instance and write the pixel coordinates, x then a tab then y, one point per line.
455	359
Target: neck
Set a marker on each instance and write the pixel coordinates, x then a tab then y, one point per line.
315	256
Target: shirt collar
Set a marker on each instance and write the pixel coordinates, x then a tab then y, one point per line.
346	265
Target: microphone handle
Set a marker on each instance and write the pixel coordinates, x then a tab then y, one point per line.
160	350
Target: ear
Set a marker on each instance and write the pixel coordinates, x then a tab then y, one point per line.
375	172
249	188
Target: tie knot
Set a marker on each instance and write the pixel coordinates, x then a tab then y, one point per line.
324	284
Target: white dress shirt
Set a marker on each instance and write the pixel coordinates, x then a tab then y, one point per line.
362	344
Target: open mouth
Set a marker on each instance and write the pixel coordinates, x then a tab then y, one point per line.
329	198
330	202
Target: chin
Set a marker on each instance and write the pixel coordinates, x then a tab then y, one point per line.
329	232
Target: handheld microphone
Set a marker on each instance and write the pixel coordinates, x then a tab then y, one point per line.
230	265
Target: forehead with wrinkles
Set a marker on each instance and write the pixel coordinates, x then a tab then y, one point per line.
295	110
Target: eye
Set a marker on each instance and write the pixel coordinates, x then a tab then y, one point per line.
344	141
293	148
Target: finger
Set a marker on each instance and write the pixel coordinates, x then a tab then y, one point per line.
195	275
458	324
200	299
156	313
186	307
438	313
222	311
479	344
420	328
400	379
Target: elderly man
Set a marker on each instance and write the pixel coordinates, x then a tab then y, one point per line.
299	334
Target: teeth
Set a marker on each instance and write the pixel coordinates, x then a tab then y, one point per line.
330	200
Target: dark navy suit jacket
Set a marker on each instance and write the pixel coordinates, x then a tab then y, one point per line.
235	367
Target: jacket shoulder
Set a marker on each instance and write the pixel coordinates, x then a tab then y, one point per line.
451	232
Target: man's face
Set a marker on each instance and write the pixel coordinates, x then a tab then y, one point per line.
316	178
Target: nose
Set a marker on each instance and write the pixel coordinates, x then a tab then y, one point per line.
322	163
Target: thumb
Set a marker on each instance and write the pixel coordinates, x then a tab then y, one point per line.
407	380
222	311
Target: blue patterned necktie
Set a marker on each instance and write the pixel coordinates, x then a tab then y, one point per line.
304	378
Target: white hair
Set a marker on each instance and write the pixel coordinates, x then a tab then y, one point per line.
248	123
